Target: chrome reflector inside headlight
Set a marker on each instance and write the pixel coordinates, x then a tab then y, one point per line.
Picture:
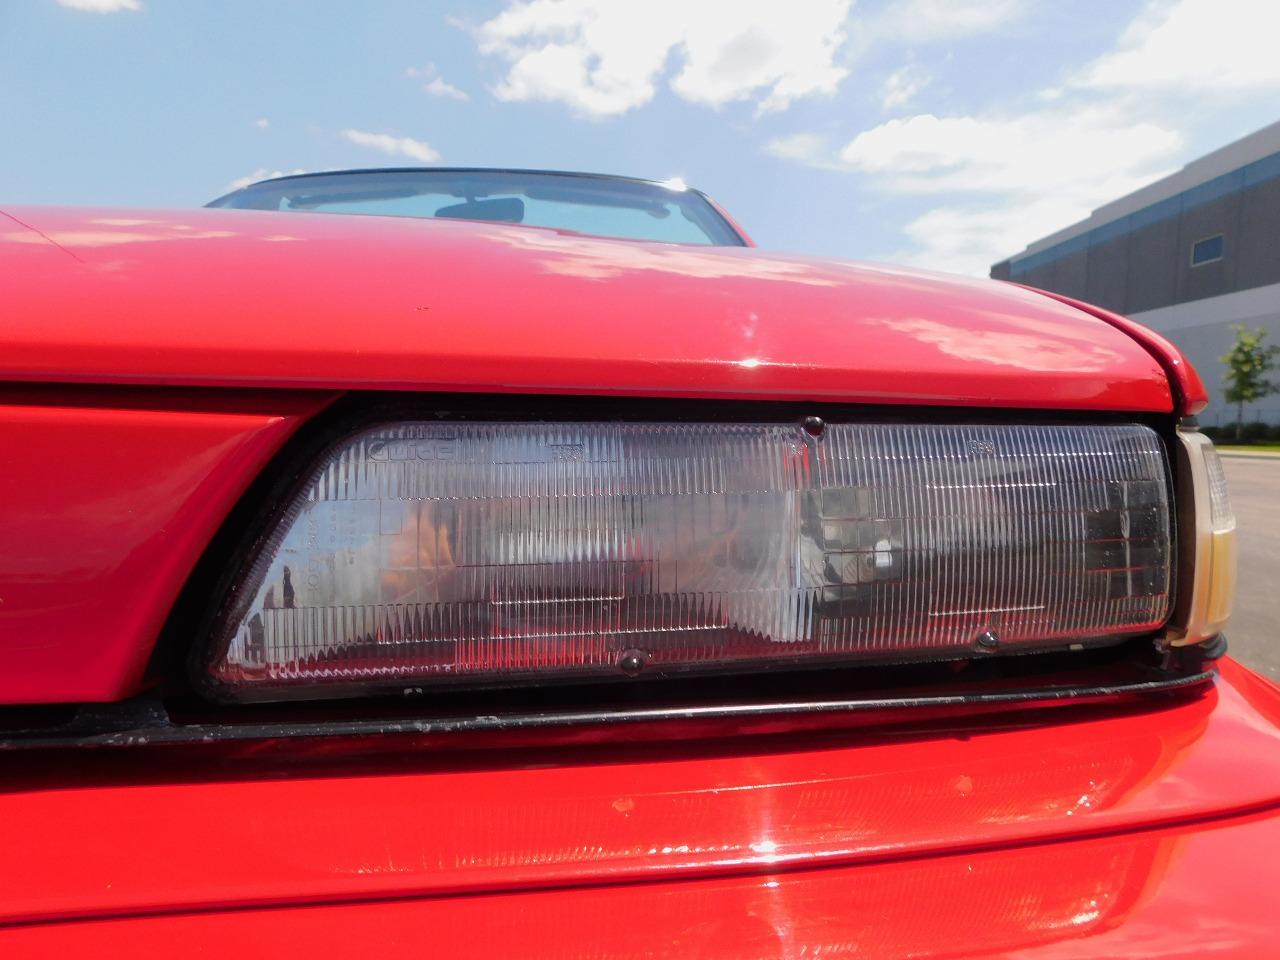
491	552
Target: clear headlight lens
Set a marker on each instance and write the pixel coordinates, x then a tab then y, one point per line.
486	552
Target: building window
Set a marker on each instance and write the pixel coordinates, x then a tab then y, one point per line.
1208	250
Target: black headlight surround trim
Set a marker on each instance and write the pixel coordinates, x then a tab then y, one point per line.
179	660
1140	680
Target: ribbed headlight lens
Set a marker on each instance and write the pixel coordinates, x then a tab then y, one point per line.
484	552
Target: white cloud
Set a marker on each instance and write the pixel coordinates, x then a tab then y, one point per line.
1004	177
435	84
920	21
969	237
1011	178
1194	46
604	59
262	173
262	123
101	6
439	87
808	148
1077	151
902	86
396	146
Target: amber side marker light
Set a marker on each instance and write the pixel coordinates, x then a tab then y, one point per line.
1206	542
427	553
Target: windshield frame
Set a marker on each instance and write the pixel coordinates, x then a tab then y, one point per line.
720	229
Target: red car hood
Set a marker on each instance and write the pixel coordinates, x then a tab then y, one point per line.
246	298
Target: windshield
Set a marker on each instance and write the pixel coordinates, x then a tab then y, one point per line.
603	206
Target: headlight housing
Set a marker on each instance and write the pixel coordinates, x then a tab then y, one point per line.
1206	542
422	553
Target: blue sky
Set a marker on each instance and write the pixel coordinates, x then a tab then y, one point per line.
942	133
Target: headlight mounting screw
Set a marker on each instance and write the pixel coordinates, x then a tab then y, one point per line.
632	662
988	640
814	426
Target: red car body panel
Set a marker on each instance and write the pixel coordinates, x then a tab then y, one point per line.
251	299
125	838
109	500
977	828
1189	390
1177	893
157	361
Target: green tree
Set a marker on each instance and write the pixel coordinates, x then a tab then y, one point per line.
1248	364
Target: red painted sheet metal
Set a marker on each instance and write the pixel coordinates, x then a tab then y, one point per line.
1176	894
108	502
1189	389
124	837
251	298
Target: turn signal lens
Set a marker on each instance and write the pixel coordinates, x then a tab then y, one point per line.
1207	542
509	552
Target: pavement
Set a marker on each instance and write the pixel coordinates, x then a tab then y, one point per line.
1244	453
1253	635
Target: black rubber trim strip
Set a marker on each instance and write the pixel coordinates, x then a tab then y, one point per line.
150	724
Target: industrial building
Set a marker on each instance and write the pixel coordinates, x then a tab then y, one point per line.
1189	256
